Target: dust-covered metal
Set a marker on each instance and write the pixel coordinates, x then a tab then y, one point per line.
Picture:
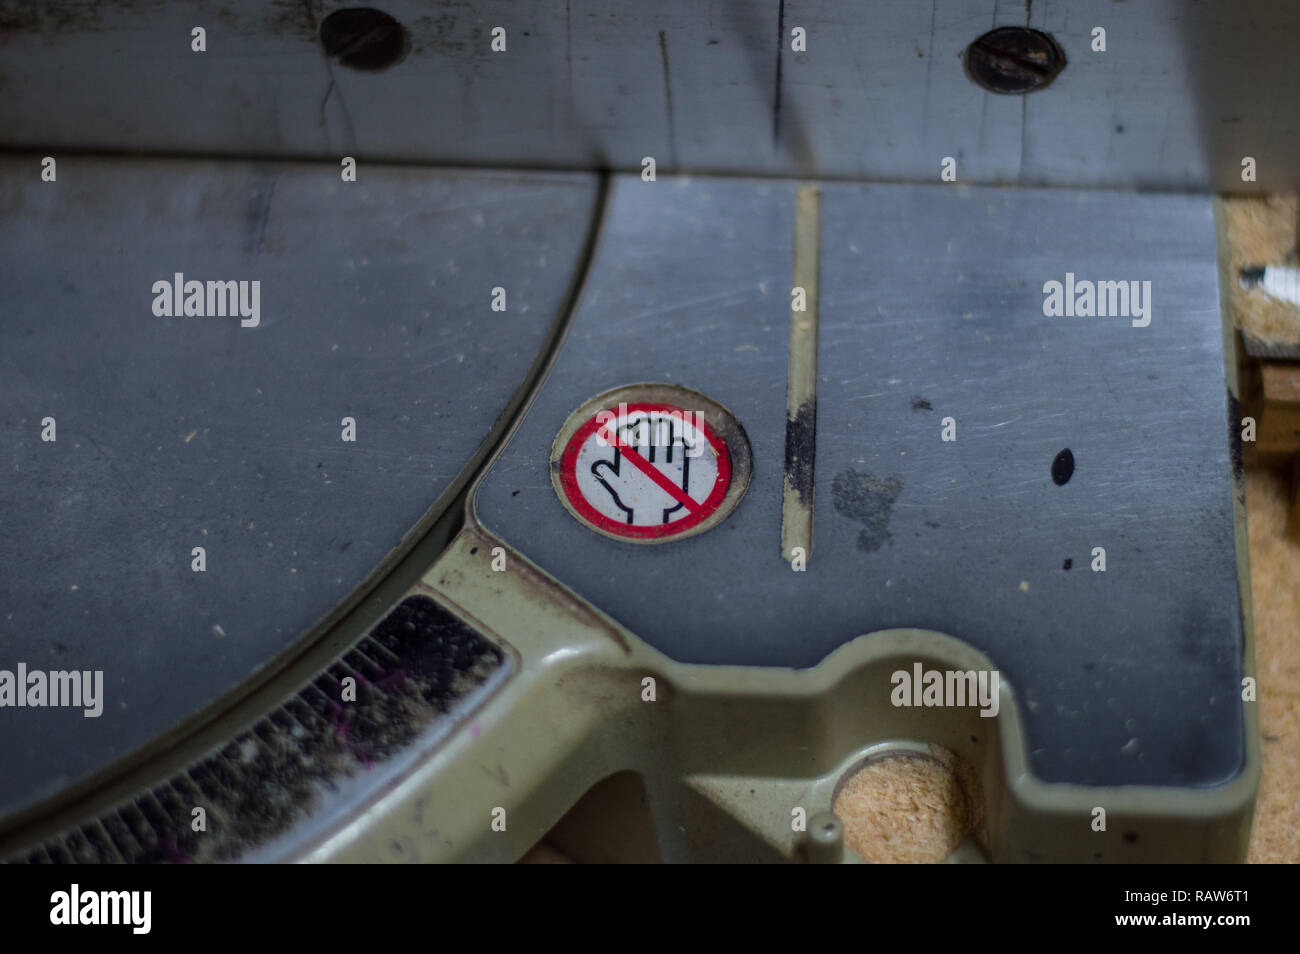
1161	94
219	485
942	405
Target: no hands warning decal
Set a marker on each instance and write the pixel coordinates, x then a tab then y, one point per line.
646	470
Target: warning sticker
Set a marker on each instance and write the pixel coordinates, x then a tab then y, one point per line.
645	470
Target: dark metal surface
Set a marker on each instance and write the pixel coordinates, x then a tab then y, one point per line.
182	432
1182	92
932	307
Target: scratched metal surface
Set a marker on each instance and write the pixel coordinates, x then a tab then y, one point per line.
175	433
1181	94
932	307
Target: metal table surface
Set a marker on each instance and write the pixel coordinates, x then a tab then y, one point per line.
932	306
180	432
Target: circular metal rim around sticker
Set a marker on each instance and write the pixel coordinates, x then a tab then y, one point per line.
719	424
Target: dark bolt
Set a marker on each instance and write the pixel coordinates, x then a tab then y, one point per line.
364	38
1014	60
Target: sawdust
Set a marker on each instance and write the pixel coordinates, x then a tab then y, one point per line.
1261	231
909	809
1275	589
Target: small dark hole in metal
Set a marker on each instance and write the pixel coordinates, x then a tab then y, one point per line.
1014	60
1062	467
364	38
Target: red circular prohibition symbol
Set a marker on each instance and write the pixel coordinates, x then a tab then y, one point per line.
697	511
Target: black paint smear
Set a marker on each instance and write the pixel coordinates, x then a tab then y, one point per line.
1234	436
869	500
1062	467
921	404
800	449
